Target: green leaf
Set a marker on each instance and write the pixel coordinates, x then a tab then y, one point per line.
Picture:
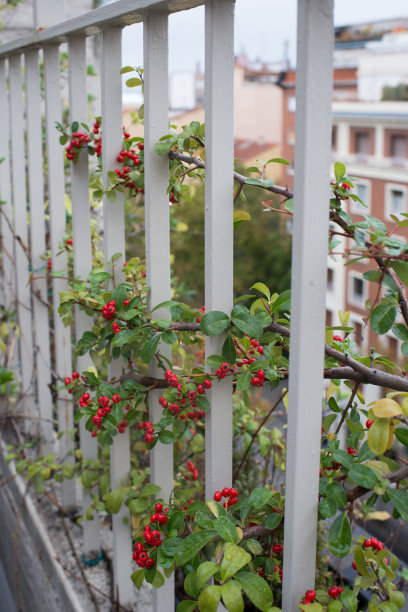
360	562
187	606
256	589
340	536
363	476
253	546
401	268
170	546
226	529
209	599
378	226
166	436
278	160
150	489
115	498
192	544
133	82
400	330
382	318
244	381
138	578
85	343
262	289
400	500
232	597
273	520
235	558
149	349
335	606
402	435
349	600
259	497
229	352
248	324
204	572
282	303
335	491
169	337
339	170
214	323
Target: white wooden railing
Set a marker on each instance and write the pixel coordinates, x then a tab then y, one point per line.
20	115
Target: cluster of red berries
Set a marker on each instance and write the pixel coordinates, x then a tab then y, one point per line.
338	338
202	310
223	370
259	379
184	397
277	549
49	264
193	470
309	597
74	376
335	591
231	496
131	159
147	425
141	557
79	140
97	141
373	543
115	327
151	536
260	571
255	347
109	310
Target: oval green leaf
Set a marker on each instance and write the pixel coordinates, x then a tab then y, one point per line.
340	536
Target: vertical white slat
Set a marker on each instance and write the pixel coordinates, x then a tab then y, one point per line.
81	235
19	194
7	246
155	53
41	328
310	228
56	198
219	141
114	242
47	13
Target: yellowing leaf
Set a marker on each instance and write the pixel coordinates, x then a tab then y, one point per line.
390	436
328	336
404	406
386	408
378	515
285	399
344	317
68	204
241	215
378	435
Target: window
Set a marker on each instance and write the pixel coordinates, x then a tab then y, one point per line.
356	289
329	318
362	189
358	332
398	149
362	144
330	279
292	104
395	199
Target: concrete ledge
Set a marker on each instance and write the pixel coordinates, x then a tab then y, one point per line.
30	563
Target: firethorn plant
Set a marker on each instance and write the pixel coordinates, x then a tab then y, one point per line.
230	547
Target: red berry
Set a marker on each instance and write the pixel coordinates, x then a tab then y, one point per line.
116	398
141	146
310	595
354	566
150	563
207	383
158	507
200	389
217	496
225	367
148	438
67	381
225	492
277	548
369	423
75	375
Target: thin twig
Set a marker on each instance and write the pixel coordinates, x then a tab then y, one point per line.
275	405
349	403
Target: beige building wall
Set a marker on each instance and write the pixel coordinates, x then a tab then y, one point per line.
258	109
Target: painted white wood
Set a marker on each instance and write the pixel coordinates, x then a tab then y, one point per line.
219	68
41	329
155	54
312	154
379	142
81	236
56	197
7	254
114	242
22	256
121	12
48	12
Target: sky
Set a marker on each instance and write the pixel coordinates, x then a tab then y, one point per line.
261	29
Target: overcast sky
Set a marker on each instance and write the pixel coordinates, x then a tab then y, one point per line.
261	28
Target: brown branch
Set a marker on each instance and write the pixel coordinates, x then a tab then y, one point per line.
240	178
349	403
